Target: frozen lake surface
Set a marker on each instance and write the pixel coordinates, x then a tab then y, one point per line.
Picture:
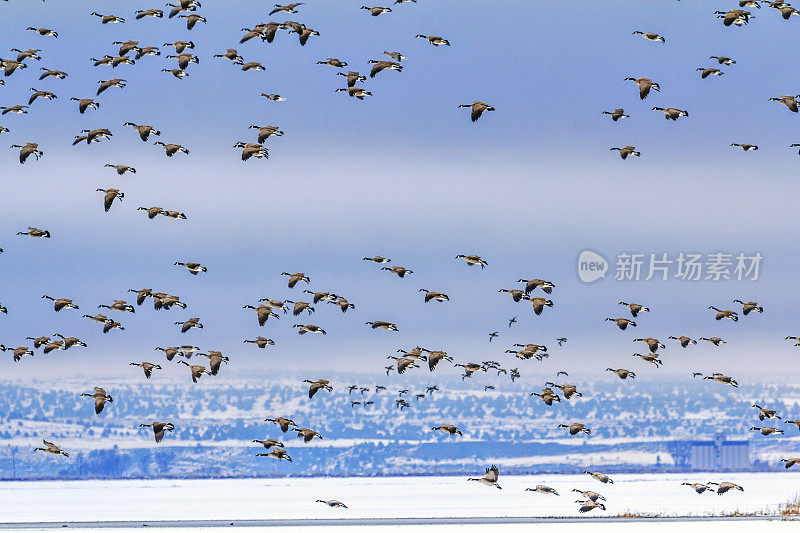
371	498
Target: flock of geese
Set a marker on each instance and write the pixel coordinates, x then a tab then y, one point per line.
533	291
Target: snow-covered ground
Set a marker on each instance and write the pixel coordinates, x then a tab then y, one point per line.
409	497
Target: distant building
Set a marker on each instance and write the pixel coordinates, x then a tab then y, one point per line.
719	454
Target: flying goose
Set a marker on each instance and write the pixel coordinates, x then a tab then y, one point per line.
197	370
106	60
252	150
787	100
383	65
59	74
17	352
143	130
277	453
263	312
725	486
706	72
127	46
616	114
44	32
343	304
787	11
672	113
532	284
645	84
180	46
38	342
589	494
490	479
684	340
172	149
749	306
397	56
193	268
47	95
288	8
261	342
652	344
447	428
35	233
154	13
215	360
118	305
547	396
516	294
766	430
86	103
299	307
352	77
434	356
25	151
54	345
192	19
765	413
320	384
100	399
110	196
309	328
587	506
716	341
724	313
622	372
625	151
189	324
403	363
650	36
380	324
250	65
650	358
333	503
575	428
355	92
473	260
16	109
230	54
113	82
791	462
10	66
32	53
377	10
295	278
158	429
477	108
61	303
622	323
543	489
722	378
121	169
304	33
568	390
282	422
435	40
273	97
178	73
399	270
51	448
746	147
635	308
433	295
469	369
265	132
170	352
122	60
699	488
99	318
734	16
333	62
599	476
539	304
147	368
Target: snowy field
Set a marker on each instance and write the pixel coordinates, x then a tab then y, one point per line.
381	498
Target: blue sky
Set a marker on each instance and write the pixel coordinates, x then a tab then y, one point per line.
404	174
